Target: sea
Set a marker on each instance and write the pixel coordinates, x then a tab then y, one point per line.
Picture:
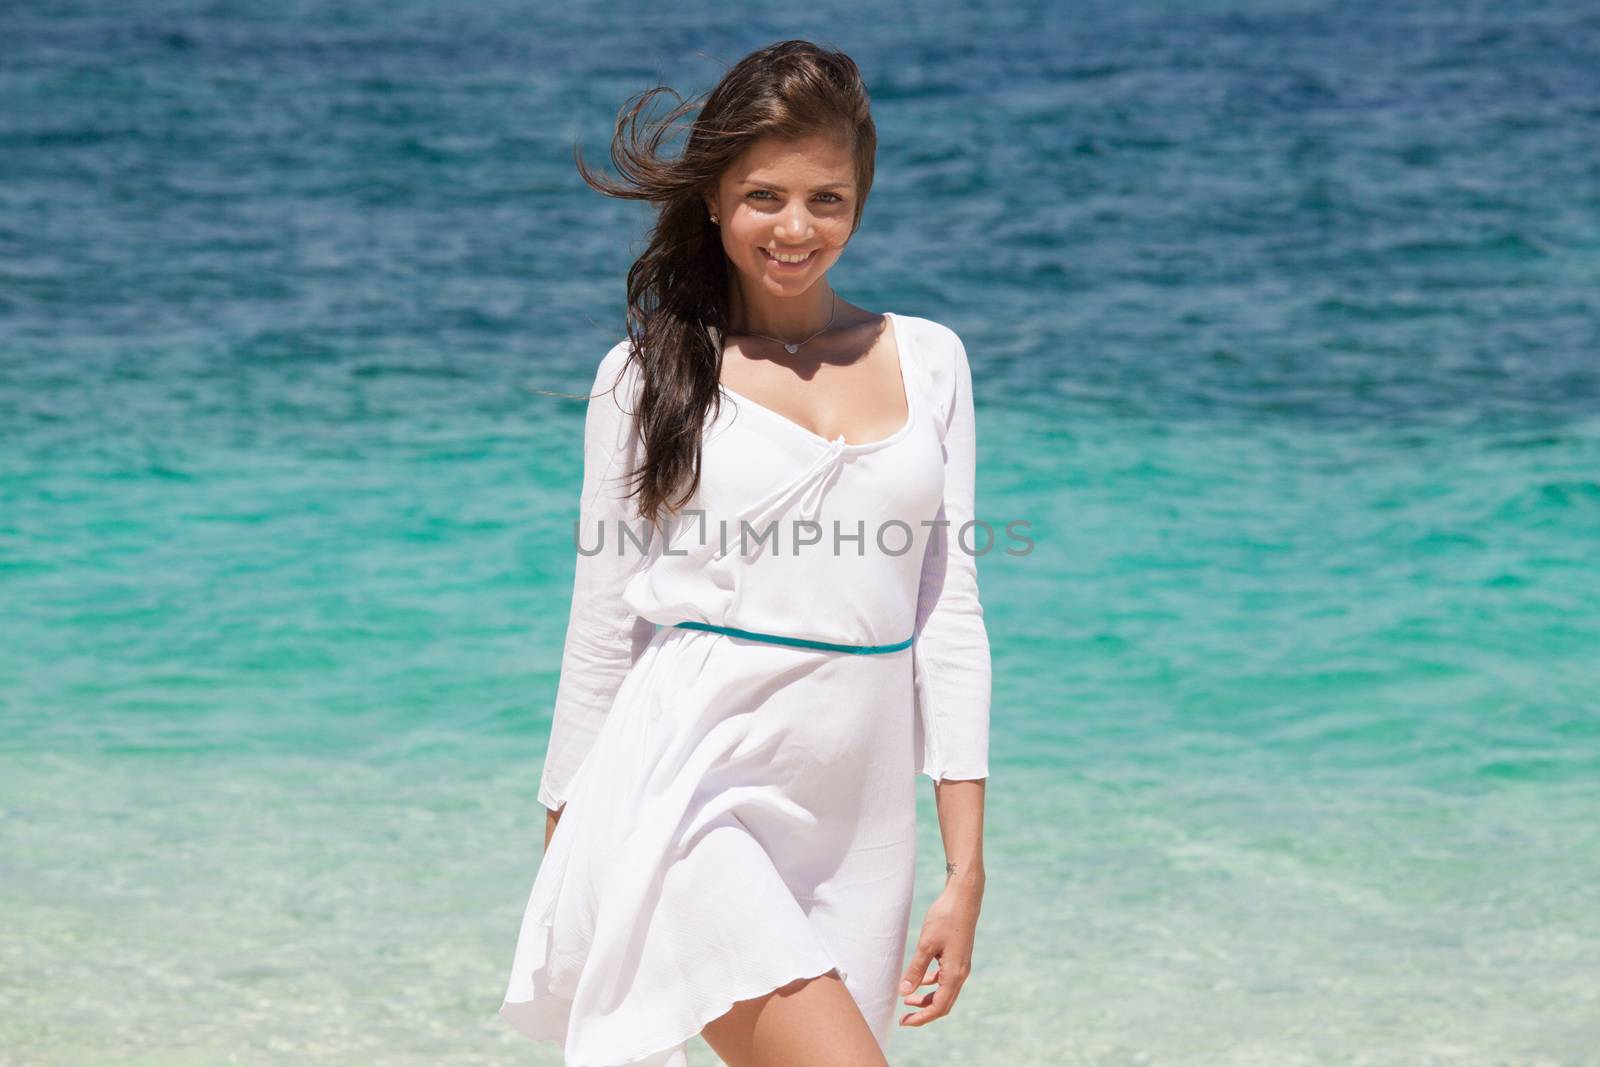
1284	322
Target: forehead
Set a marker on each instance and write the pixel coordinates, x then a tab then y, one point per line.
818	158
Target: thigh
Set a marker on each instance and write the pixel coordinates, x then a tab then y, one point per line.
807	1022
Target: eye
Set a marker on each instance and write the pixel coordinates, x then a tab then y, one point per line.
766	192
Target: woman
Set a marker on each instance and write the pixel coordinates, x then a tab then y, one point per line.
776	636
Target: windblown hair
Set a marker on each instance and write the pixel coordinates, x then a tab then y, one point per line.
678	288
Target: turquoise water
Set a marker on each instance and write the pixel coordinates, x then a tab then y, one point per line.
1284	329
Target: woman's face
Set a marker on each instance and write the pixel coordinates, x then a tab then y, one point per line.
795	198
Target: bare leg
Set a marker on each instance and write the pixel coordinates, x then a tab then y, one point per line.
807	1022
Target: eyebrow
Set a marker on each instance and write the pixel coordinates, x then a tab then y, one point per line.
781	189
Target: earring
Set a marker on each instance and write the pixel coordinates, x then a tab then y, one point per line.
713	218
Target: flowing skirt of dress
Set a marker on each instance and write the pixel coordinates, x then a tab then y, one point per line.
746	817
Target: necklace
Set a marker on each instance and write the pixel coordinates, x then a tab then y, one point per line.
792	347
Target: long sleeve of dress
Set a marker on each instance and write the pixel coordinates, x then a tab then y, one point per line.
950	658
604	637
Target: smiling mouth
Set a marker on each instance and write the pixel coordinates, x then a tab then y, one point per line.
777	262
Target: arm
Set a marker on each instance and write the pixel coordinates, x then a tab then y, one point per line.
951	678
950	659
603	636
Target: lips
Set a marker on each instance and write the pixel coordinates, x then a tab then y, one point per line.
768	257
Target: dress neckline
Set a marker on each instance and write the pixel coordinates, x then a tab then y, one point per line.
839	441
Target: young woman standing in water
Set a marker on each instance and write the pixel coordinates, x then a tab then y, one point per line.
786	633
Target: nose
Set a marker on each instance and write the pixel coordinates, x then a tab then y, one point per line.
796	222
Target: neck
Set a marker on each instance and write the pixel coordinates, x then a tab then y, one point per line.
792	318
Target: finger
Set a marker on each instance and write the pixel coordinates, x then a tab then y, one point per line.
943	998
928	1004
916	972
940	1006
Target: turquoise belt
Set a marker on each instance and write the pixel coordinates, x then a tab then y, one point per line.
798	642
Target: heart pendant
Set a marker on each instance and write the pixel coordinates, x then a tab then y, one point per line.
790	348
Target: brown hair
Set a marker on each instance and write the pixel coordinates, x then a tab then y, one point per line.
678	288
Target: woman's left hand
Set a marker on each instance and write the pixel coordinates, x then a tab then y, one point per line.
948	932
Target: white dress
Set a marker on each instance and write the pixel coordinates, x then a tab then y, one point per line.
740	813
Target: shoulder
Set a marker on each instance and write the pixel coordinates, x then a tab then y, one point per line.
934	346
616	379
610	423
938	357
615	361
